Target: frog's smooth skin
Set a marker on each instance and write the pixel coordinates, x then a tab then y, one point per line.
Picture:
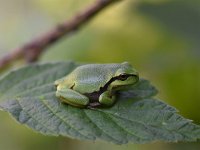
94	85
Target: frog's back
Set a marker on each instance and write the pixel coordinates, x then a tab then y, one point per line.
89	78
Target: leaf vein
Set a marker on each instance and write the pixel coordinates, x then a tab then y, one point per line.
64	121
34	117
99	127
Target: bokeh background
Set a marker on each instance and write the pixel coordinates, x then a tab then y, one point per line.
161	38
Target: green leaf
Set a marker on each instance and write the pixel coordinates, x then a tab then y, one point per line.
28	94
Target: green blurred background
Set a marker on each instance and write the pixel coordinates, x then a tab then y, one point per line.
161	38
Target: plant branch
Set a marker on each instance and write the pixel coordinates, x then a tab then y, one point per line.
32	50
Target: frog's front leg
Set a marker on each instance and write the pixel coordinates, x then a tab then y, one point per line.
72	97
107	99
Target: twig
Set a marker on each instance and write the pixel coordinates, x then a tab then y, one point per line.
32	50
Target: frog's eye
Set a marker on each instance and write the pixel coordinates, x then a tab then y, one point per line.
123	77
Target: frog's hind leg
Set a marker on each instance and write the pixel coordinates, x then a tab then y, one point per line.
72	97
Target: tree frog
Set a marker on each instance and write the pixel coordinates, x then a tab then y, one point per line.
94	85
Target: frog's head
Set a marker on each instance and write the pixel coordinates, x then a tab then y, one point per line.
125	75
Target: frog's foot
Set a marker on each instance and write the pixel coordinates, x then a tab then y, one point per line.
94	105
106	99
72	97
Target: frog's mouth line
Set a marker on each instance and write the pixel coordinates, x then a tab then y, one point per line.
116	78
